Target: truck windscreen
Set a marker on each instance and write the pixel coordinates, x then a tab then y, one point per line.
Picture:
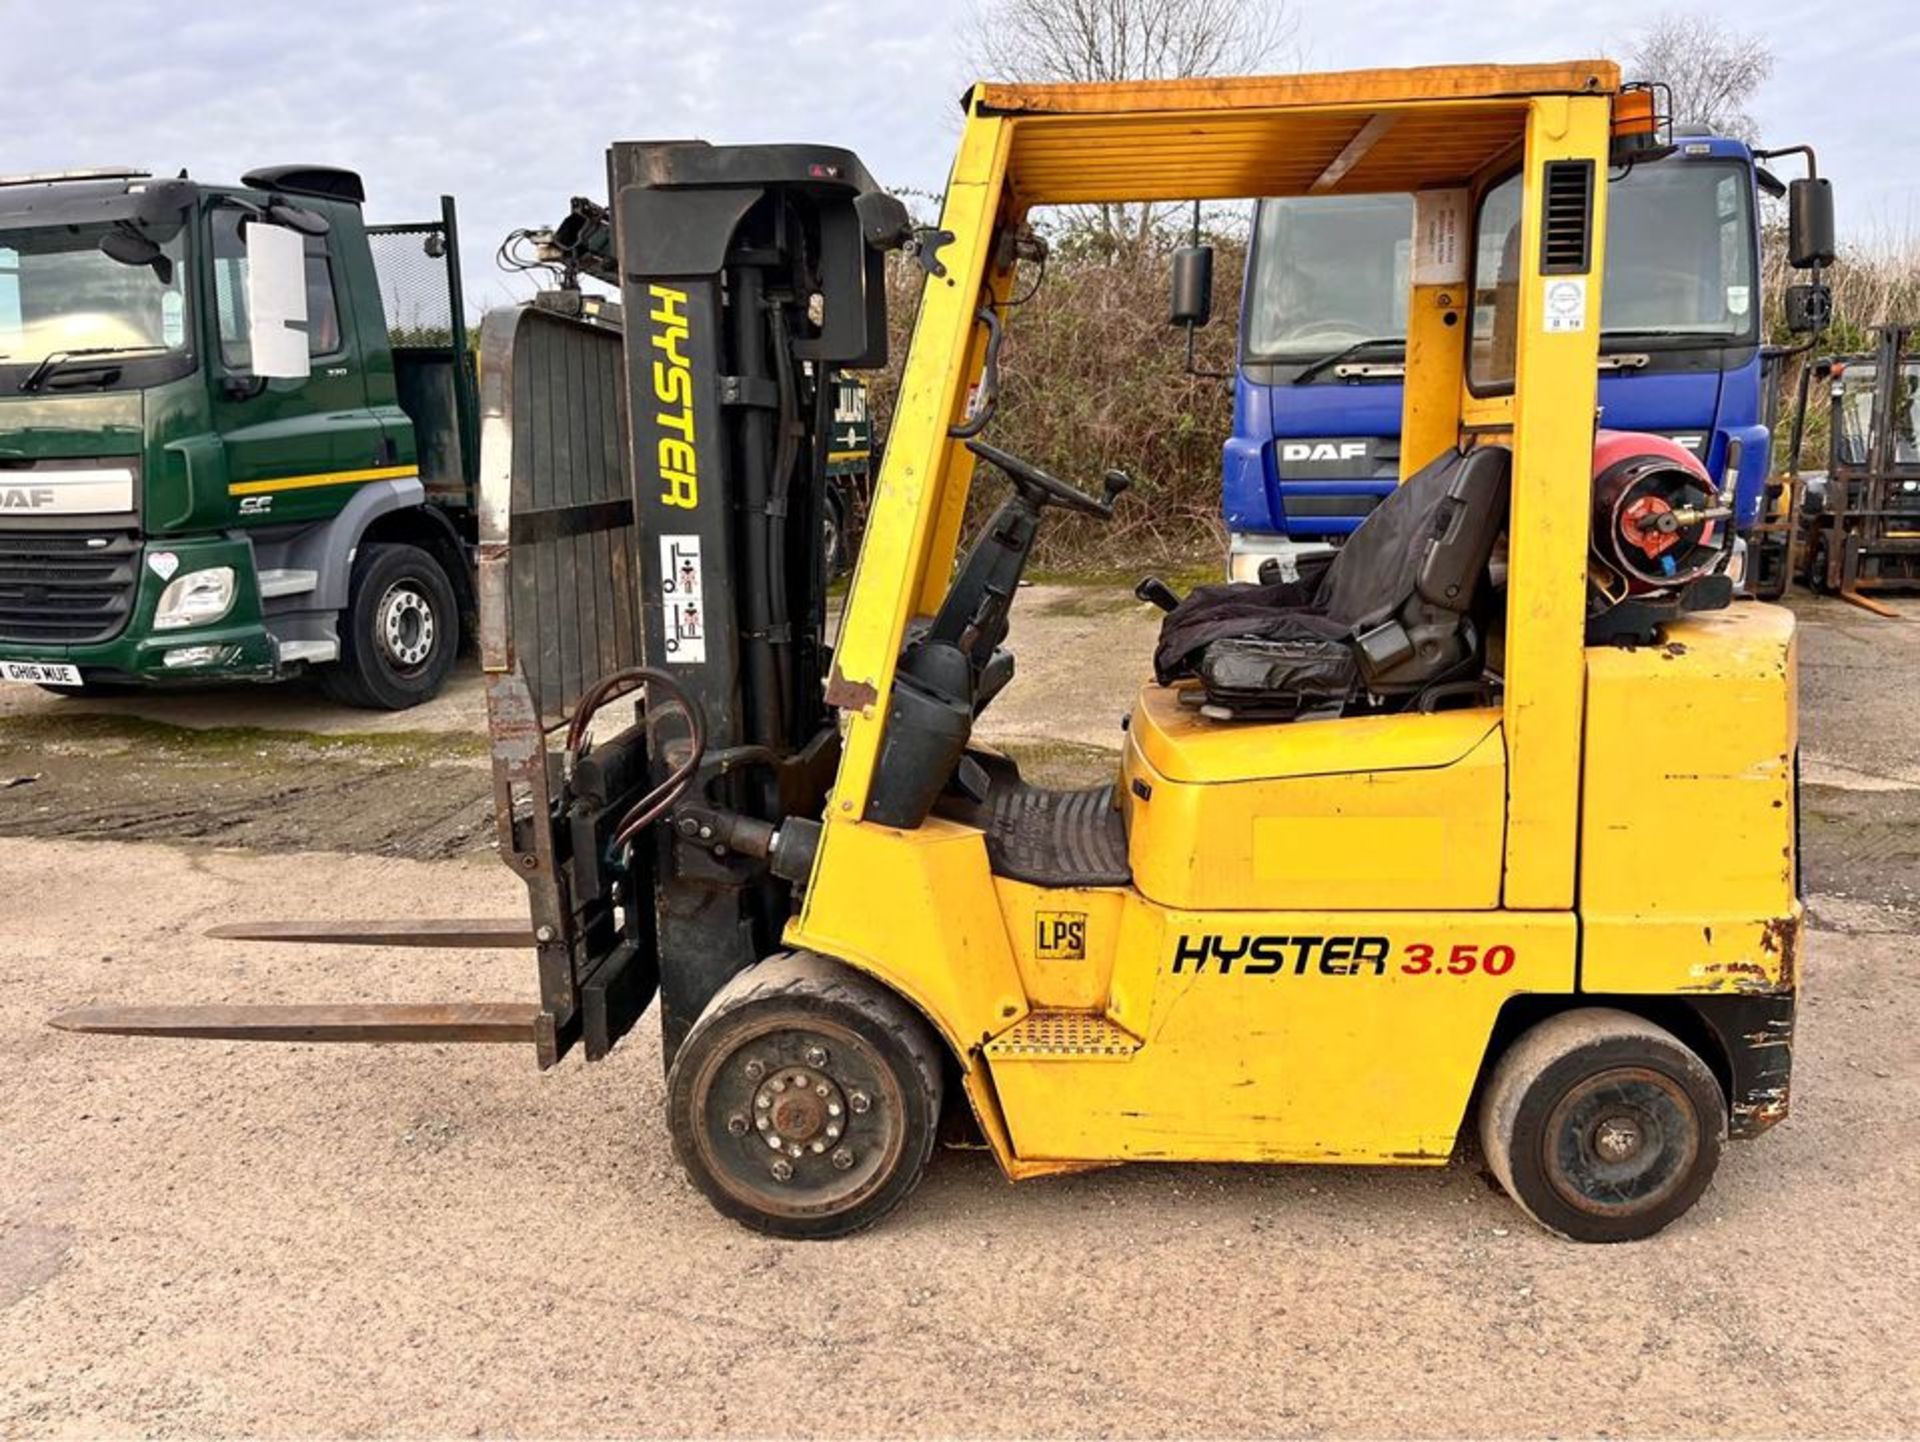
1680	252
60	292
1331	270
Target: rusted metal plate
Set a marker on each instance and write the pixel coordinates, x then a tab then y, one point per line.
506	931
560	568
474	1021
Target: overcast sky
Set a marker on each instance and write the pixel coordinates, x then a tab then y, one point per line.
510	107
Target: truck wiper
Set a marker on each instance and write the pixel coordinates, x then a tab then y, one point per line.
54	360
1708	337
1314	368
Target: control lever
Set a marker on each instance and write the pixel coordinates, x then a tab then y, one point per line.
1156	592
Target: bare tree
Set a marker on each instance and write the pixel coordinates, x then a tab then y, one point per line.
1107	40
1711	68
1090	40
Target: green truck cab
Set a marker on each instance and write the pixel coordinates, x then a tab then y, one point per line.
237	435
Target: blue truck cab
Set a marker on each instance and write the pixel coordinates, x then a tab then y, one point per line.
1317	387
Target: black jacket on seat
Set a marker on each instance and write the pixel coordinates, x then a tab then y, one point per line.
1388	614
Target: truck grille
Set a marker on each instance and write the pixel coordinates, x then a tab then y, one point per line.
66	588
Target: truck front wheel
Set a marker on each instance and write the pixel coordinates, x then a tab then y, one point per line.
400	632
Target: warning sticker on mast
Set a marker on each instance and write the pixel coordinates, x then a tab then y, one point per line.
683	604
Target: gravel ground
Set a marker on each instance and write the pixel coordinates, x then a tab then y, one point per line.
216	1239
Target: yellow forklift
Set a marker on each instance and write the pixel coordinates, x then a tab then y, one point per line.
1487	823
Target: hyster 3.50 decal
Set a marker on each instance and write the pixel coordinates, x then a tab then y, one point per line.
673	388
1334	956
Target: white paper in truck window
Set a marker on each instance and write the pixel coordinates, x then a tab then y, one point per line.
277	300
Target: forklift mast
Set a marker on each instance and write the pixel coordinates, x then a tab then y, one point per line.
652	515
738	264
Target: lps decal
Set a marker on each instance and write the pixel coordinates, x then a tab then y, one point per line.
1060	936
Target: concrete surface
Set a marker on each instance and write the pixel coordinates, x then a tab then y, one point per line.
215	1239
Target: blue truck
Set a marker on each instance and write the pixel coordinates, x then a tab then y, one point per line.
1317	387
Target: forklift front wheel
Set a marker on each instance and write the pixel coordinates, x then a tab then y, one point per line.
806	1099
1602	1126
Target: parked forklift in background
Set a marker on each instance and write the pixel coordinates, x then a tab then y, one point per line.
1856	525
1389	854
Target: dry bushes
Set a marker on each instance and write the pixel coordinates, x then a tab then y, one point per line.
1093	378
1876	282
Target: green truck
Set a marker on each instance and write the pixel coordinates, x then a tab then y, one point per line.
237	435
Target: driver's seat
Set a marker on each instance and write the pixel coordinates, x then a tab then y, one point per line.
1388	615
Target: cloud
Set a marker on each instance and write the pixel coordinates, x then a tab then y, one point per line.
510	107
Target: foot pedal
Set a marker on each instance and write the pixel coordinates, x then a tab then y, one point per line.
1064	1035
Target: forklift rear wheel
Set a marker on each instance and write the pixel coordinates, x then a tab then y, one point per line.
1602	1126
806	1099
400	631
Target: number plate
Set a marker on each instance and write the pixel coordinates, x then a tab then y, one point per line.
42	673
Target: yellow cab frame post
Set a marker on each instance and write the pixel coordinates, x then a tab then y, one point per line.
1332	927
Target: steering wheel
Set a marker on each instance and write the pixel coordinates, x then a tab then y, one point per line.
1040	488
1327	325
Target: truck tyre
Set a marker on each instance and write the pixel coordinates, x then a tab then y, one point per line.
806	1099
833	537
399	633
1602	1126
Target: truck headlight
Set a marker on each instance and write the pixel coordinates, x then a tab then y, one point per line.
195	599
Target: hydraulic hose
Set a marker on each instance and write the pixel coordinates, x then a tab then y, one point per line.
663	797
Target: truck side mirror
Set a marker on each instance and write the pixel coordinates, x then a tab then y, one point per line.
297	217
277	302
1192	286
1808	307
130	247
1810	239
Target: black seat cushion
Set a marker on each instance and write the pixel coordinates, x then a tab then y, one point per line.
1389	611
1056	838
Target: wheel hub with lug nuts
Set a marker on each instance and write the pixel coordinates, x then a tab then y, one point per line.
406	625
799	1121
799	1112
1618	1138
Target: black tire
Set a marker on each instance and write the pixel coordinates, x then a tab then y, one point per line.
833	537
1602	1126
1817	567
400	631
803	1066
